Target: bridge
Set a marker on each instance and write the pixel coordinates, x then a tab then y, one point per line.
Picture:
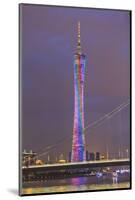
37	172
77	165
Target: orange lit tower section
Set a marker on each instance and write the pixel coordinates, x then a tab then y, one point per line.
78	142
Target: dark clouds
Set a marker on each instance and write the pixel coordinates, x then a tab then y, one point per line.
49	37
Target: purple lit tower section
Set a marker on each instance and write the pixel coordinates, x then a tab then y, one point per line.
78	142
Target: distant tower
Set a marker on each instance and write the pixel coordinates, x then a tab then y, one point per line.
78	142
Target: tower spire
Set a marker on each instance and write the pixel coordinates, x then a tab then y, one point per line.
78	39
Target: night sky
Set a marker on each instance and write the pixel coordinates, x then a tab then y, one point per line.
49	40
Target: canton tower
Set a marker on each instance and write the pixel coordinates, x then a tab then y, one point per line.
78	141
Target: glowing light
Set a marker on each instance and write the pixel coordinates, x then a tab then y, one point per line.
99	174
78	143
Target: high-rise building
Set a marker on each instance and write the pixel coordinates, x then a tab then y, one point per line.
78	142
87	156
91	156
97	156
29	158
69	157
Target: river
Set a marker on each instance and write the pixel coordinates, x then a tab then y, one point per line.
76	184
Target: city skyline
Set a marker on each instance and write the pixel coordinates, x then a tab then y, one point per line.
47	87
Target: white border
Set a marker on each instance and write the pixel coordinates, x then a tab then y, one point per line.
9	97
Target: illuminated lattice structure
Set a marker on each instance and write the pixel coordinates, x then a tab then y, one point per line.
78	142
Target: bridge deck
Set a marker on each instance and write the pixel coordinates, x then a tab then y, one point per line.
86	164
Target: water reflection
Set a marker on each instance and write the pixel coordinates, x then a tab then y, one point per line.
115	177
115	180
70	188
78	181
99	182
